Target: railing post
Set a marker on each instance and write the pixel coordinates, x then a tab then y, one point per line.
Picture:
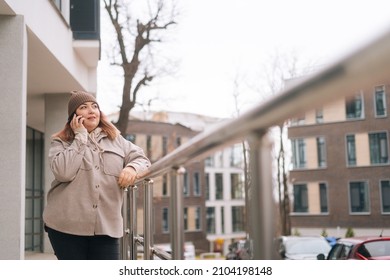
176	214
148	214
125	237
261	199
133	222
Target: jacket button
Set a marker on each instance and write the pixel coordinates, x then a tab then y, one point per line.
94	206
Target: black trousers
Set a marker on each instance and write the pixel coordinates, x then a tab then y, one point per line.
76	247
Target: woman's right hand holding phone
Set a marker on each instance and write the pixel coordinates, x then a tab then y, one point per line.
77	124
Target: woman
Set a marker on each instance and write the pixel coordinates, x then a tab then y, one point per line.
91	163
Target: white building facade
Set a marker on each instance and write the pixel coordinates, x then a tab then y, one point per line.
225	197
46	51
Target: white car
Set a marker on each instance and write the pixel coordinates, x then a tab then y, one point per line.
303	247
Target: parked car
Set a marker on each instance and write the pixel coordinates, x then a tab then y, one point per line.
239	250
361	248
303	247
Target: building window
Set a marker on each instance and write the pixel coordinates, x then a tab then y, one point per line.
209	161
165	185
218	186
354	107
321	152
84	19
186	187
300	120
238	218
237	186
236	156
164	145
300	198
197	218
380	101
34	196
218	159
58	4
378	148
385	195
197	188
299	153
359	201
210	219
207	188
351	150
165	220
149	146
319	116
178	142
222	219
323	198
185	217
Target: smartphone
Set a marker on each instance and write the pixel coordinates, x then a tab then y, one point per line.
71	117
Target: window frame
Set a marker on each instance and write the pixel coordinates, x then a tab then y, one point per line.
210	220
237	188
299	153
302	208
383	93
351	161
382	196
322	199
165	220
348	105
366	198
197	189
381	160
321	152
219	187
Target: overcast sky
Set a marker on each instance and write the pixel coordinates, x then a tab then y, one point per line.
218	40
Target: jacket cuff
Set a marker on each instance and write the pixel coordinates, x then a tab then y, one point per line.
82	136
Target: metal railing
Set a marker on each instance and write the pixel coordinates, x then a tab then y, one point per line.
366	66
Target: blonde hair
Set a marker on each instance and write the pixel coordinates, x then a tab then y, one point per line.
67	134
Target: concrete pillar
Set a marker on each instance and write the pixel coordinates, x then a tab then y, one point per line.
56	115
13	72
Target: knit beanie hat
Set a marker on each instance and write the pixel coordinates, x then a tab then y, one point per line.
77	98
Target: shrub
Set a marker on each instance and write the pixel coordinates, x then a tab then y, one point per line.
349	232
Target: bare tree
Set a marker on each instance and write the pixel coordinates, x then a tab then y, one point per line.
247	181
282	67
135	49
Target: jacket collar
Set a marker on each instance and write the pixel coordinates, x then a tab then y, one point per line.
97	133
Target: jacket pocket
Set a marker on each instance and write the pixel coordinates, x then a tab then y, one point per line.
113	161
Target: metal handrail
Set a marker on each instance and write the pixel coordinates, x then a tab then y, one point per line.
366	66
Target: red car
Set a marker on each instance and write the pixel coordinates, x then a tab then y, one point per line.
361	248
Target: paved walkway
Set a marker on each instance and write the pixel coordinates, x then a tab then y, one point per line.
28	255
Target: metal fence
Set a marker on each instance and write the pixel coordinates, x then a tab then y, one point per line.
366	66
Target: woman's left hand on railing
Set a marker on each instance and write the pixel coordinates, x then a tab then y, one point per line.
127	177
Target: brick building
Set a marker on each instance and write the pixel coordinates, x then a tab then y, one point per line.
340	173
